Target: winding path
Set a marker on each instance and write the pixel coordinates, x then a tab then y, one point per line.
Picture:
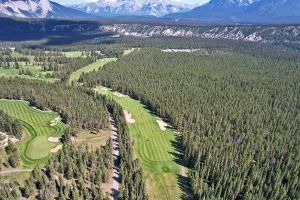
116	177
14	171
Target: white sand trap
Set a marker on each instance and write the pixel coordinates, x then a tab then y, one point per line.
118	94
54	139
104	89
162	125
56	149
55	121
45	111
128	117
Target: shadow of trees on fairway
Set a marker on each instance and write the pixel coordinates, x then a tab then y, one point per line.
178	157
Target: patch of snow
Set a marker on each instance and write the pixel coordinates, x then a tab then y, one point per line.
38	8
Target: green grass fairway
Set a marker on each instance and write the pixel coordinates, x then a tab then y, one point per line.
15	54
36	71
73	54
9	72
94	66
153	147
35	148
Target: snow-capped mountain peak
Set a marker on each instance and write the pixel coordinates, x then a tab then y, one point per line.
155	8
37	9
23	8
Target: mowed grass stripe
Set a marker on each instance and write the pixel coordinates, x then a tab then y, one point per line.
35	148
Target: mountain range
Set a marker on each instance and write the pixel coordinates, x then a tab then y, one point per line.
154	8
38	9
220	11
244	11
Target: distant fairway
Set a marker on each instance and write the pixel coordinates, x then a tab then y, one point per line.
94	66
36	124
153	147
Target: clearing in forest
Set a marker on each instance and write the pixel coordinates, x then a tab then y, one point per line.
29	69
34	147
92	67
156	149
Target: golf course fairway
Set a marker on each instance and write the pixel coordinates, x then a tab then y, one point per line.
153	147
38	127
94	66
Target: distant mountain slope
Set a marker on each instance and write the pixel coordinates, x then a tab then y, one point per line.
254	33
38	9
244	11
156	8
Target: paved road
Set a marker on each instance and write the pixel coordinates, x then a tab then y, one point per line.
115	139
13	171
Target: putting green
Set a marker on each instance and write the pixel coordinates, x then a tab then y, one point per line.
35	148
155	149
94	66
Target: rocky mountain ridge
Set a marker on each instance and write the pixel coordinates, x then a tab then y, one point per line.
38	9
154	8
251	11
264	34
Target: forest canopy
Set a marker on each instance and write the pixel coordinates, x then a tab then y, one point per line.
239	114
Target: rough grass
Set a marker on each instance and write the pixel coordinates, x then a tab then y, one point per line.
154	148
35	148
128	51
94	66
93	140
20	177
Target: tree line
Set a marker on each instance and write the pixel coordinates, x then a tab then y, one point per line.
76	172
131	174
75	106
9	125
239	114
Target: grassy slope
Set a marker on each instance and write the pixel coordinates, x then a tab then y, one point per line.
94	66
36	124
153	148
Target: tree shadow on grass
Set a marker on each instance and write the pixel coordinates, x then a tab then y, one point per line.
178	157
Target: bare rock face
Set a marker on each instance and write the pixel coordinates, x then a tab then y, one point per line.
37	9
265	34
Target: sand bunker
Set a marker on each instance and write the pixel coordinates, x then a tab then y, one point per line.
128	117
162	125
54	139
55	121
56	149
118	94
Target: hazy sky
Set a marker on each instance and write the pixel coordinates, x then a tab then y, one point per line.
80	1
